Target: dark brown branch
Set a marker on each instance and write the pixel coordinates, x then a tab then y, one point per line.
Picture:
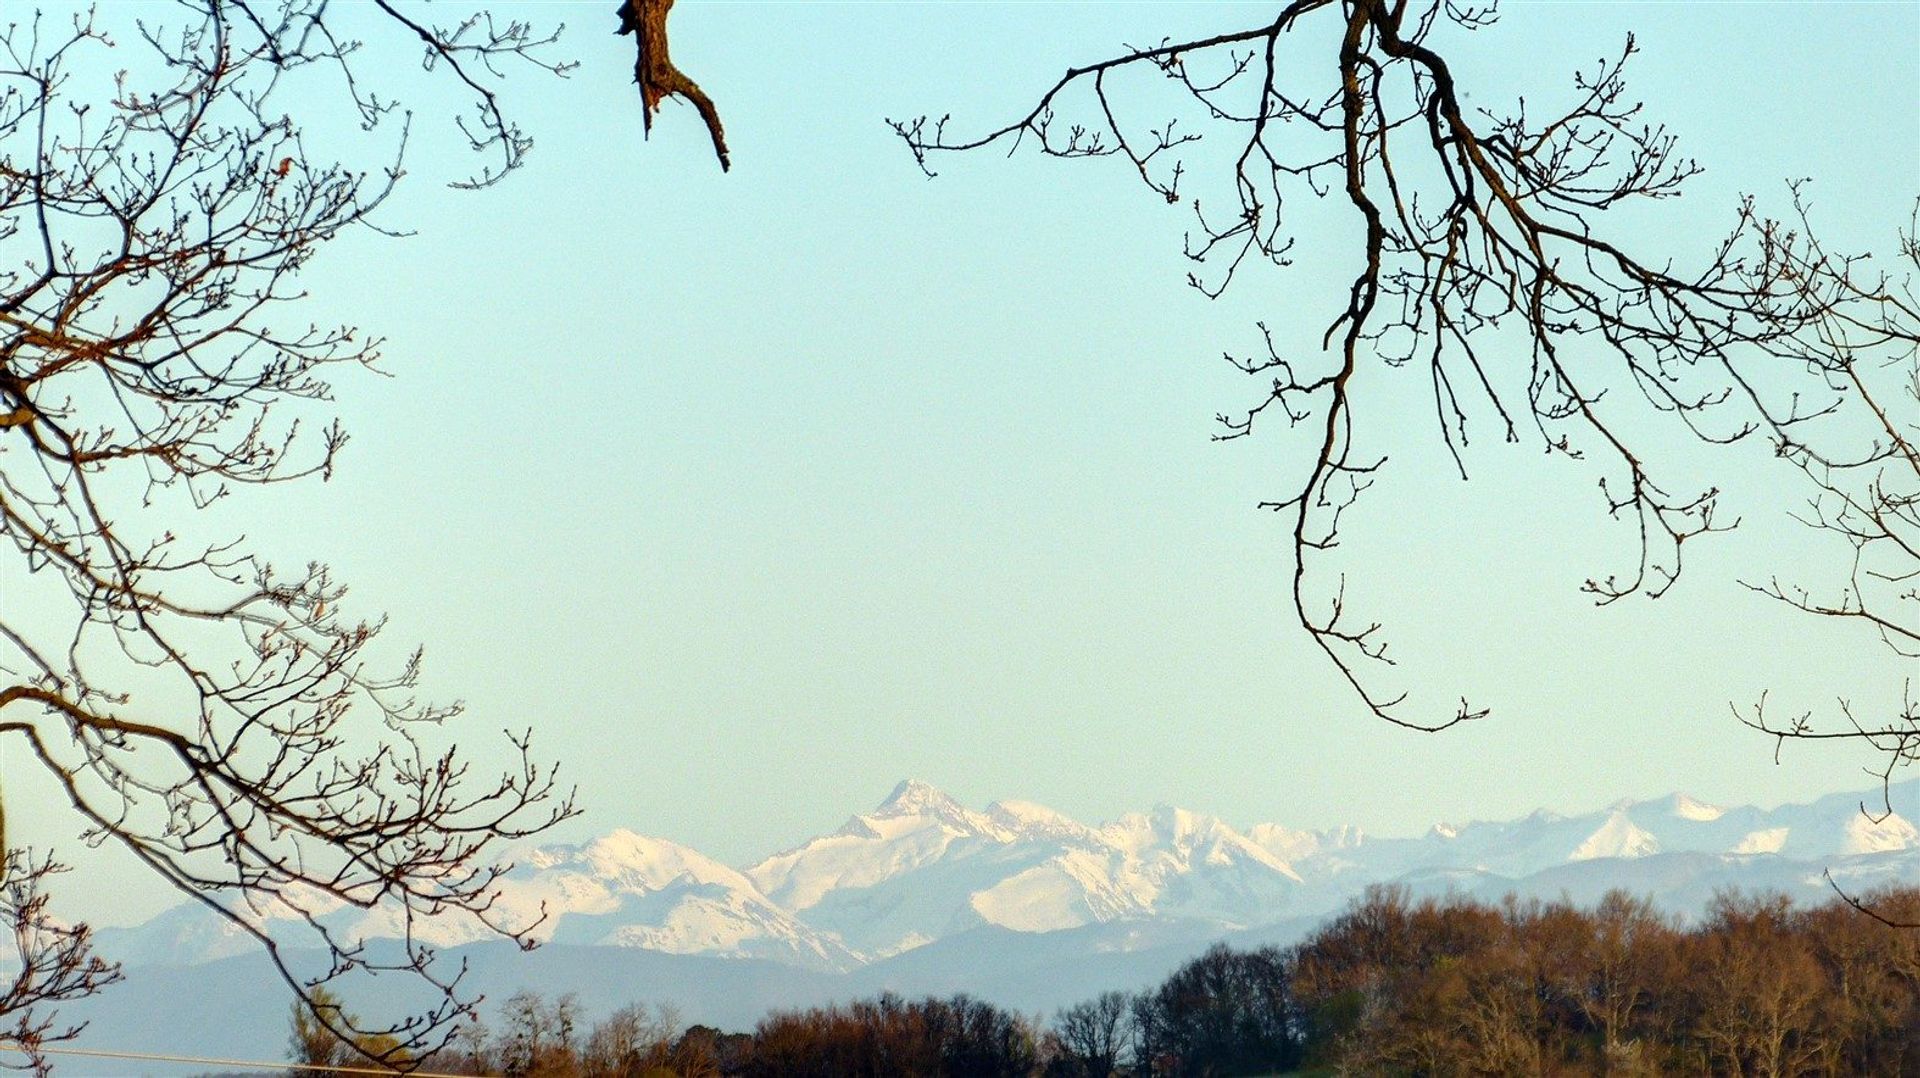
657	76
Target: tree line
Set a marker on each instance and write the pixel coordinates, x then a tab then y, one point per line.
1446	985
1755	986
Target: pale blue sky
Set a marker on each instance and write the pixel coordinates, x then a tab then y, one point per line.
756	493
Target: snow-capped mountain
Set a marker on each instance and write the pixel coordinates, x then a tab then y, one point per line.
1836	826
922	868
628	890
1015	902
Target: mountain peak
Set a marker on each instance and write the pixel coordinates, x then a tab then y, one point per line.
1688	807
913	797
1031	818
1618	837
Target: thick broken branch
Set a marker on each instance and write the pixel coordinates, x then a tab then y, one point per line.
656	74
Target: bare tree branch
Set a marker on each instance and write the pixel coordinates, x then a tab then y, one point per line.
48	963
225	722
1483	254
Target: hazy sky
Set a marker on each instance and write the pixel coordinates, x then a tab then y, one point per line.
756	493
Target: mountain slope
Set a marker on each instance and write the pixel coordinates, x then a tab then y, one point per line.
921	866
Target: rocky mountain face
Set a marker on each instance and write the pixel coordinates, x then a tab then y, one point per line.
921	868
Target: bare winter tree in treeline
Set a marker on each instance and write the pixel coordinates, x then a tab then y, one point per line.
227	723
891	1035
1224	1012
1484	260
1455	986
1094	1034
540	1037
545	1038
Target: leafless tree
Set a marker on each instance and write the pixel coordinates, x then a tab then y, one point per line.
1861	463
1487	255
229	724
1095	1032
49	963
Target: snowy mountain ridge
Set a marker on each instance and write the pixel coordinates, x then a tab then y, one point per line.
921	867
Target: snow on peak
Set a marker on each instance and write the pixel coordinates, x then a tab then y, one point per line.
916	826
1618	837
915	798
623	888
1026	812
1179	824
1175	830
635	861
1878	834
1283	842
621	848
1179	837
914	806
1034	820
1290	845
1765	840
1688	808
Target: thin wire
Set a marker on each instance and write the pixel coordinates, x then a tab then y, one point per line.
16	1046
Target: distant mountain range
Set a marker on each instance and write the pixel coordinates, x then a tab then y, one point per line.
921	867
1016	902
